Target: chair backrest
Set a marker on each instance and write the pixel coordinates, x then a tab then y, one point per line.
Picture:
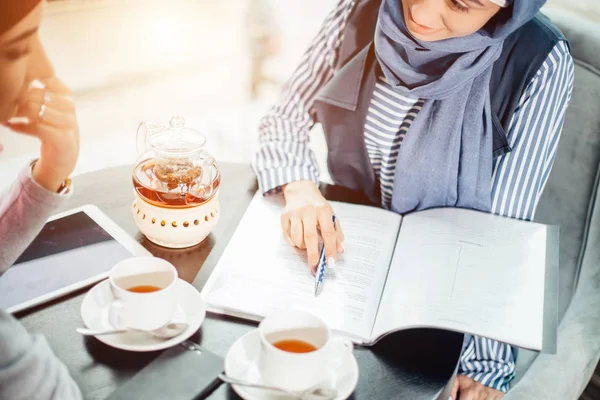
573	183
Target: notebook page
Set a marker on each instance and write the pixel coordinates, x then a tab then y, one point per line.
260	272
467	271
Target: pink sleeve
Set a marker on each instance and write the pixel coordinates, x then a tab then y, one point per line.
24	208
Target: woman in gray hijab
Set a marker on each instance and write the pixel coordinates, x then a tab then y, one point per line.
423	103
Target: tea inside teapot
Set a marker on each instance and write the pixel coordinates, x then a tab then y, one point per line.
175	171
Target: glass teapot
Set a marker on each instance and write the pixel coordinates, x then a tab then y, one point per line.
173	169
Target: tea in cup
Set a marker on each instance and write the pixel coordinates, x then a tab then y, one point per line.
297	350
145	291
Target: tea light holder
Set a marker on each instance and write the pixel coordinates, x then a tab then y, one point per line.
176	227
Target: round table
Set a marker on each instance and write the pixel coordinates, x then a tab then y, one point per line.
413	364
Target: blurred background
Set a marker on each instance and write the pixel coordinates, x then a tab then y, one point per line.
133	60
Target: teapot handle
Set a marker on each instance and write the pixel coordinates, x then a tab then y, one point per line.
142	137
215	175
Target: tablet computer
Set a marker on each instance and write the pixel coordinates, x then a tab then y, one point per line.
74	249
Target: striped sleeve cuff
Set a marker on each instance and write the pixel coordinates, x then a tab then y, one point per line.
498	377
488	362
270	180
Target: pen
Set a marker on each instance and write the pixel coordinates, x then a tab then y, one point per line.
320	274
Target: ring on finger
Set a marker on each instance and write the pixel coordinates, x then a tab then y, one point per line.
42	112
45	99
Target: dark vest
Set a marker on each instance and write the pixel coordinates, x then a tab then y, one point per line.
341	106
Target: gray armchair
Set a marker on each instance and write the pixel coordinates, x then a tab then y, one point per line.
572	200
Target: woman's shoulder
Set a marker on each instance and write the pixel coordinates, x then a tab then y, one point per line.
558	58
542	28
537	49
528	47
527	50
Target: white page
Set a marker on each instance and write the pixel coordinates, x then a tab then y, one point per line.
260	272
467	271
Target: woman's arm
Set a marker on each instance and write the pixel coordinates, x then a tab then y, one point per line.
284	155
28	368
24	209
518	182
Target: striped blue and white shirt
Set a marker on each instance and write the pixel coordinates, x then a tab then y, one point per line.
518	177
389	117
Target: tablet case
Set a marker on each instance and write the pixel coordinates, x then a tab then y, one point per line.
184	372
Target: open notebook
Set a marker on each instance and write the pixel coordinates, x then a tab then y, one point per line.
444	268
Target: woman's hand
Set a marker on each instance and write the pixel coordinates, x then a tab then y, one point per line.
465	388
49	115
306	213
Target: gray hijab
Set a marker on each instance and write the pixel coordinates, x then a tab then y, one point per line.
446	157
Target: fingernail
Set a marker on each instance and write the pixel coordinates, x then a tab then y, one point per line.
342	246
18	120
37	84
331	263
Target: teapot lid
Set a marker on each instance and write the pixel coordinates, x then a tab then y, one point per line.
175	138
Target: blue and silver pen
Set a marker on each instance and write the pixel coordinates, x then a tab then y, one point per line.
320	274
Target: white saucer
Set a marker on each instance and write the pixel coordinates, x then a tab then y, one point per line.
94	312
240	363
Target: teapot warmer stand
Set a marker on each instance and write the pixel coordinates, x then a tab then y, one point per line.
176	228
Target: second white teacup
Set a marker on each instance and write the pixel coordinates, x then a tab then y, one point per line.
145	291
297	350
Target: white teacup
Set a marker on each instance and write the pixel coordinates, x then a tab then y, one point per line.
145	291
293	370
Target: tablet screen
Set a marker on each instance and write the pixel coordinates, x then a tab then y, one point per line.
68	250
